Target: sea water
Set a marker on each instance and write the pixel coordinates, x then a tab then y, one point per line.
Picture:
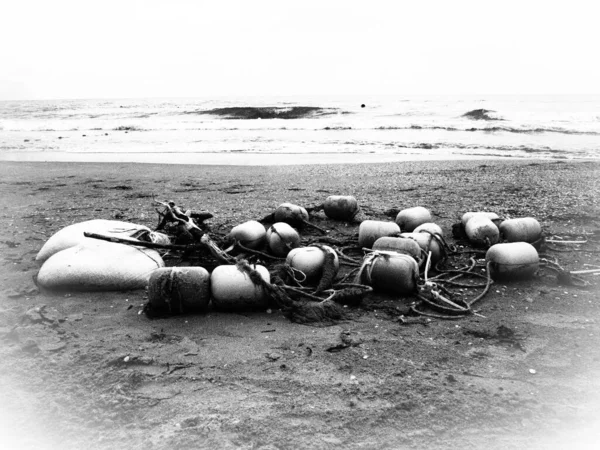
283	130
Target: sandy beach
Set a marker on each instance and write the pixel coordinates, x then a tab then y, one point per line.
93	372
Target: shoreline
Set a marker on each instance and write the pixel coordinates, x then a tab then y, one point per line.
259	159
293	171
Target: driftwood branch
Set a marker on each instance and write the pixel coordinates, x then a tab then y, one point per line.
129	241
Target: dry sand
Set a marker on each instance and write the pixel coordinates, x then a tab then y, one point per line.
90	371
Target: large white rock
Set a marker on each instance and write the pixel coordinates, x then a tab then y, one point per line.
99	266
72	235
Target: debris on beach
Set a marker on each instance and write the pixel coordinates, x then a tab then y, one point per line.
73	235
310	277
99	266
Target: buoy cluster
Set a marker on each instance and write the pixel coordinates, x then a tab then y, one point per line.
396	253
393	256
516	256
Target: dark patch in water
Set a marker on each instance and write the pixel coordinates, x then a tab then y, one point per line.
480	114
493	129
127	128
270	112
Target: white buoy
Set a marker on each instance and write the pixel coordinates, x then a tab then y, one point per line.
281	238
310	260
232	288
427	243
178	290
340	207
468	215
482	231
410	218
430	227
390	272
512	261
250	234
371	230
98	265
399	245
523	229
291	214
72	235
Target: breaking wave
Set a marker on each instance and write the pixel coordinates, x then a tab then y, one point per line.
500	148
271	112
481	114
495	129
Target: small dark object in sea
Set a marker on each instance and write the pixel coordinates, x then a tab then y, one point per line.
480	114
362	106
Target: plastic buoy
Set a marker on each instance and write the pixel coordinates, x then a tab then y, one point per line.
427	243
429	227
524	229
291	214
411	218
178	290
98	265
390	272
512	261
481	230
281	238
72	235
232	288
250	234
468	215
310	260
399	245
340	207
371	230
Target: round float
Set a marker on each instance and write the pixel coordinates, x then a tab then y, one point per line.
410	218
371	230
429	227
310	260
390	272
281	238
482	231
250	234
512	261
524	229
399	245
427	243
178	290
233	289
340	207
291	214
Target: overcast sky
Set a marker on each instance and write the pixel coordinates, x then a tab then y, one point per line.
179	48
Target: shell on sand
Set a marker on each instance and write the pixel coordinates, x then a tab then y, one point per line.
99	266
72	235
